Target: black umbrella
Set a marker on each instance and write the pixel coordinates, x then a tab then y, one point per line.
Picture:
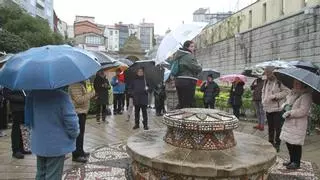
248	73
286	77
207	71
153	73
307	65
126	61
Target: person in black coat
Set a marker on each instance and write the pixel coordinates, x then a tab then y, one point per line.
235	99
210	91
17	102
139	89
101	86
160	97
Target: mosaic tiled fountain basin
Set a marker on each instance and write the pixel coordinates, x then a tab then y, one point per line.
199	144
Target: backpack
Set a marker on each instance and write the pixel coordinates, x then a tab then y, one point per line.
175	68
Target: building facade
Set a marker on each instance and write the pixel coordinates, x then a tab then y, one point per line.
36	8
204	15
266	30
89	36
133	30
91	42
113	38
146	36
123	33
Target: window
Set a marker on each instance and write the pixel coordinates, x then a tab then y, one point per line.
111	33
115	32
250	19
93	40
264	12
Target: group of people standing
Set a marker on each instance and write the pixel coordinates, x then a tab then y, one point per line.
58	117
286	112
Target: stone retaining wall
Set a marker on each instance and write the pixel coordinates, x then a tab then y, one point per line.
296	37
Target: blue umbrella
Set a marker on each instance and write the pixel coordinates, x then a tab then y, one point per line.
48	67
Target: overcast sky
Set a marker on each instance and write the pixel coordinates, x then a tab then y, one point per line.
163	13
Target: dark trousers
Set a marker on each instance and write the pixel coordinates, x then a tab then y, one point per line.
79	142
159	104
186	90
101	110
274	127
209	105
137	109
118	100
236	111
3	115
50	168
295	153
16	137
127	100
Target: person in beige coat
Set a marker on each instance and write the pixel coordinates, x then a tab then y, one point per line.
295	126
273	96
81	101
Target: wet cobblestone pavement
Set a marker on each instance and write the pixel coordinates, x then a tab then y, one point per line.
108	160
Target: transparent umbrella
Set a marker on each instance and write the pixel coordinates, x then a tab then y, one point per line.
172	41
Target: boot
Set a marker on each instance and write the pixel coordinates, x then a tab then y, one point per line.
257	126
261	128
286	163
136	127
293	166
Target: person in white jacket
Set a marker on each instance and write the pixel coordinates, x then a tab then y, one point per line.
294	129
273	96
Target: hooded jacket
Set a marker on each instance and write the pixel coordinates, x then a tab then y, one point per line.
188	65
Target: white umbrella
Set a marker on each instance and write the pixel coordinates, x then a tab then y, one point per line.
171	42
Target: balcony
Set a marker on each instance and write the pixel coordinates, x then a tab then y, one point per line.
41	3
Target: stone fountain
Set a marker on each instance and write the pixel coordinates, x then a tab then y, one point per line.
199	144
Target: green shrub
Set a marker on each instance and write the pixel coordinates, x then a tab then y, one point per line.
199	99
222	99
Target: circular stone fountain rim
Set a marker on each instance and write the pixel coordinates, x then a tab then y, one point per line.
201	125
151	159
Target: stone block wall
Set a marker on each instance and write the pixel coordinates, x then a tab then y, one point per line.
292	38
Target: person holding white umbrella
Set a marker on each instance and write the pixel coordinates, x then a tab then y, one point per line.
186	75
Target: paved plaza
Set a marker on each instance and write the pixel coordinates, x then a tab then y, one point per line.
108	160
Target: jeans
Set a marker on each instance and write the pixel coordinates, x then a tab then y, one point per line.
118	99
16	136
79	143
186	89
144	114
295	153
49	168
261	115
274	127
101	110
